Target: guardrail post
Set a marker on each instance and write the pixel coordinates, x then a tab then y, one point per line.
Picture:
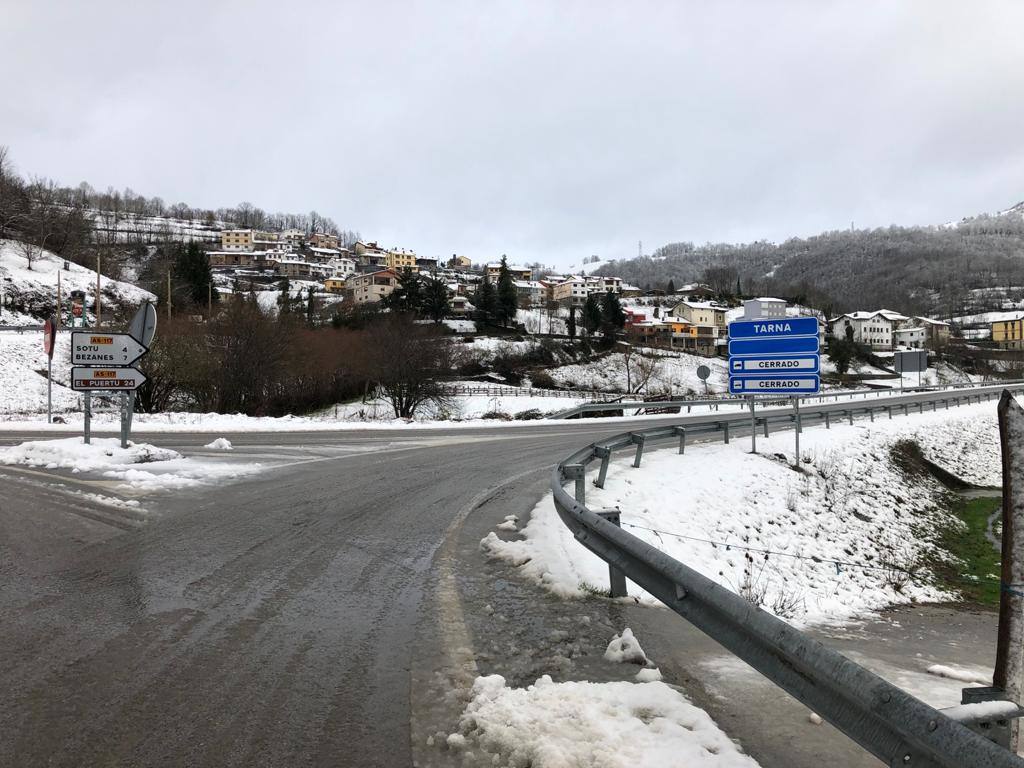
871	415
681	431
889	409
639	440
906	409
920	407
605	455
725	430
850	414
766	426
616	577
828	425
577	472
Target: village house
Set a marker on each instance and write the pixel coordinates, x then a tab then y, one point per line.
399	260
764	309
1008	332
292	268
323	240
371	287
334	285
518	273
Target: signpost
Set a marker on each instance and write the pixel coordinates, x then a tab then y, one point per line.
102	362
702	373
92	348
49	342
909	361
774	357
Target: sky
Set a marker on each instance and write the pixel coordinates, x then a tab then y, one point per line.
548	131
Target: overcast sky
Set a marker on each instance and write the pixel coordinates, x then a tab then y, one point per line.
549	131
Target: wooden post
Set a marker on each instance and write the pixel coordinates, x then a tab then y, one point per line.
1009	668
60	317
209	301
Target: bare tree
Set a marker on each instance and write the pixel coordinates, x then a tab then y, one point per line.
406	362
638	368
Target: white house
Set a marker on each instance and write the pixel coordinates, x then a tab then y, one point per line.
764	308
872	329
341	266
912	337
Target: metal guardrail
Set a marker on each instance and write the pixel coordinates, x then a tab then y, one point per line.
744	402
889	723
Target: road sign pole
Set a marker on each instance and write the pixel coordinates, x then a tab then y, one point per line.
49	390
796	428
88	417
124	420
131	411
753	427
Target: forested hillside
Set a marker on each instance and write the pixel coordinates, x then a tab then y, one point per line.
912	269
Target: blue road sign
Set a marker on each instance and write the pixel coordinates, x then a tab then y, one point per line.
774	345
760	329
772	384
773	364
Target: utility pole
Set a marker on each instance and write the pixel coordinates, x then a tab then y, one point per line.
99	299
168	294
209	301
60	317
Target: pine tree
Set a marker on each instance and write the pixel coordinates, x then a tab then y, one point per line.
571	323
408	294
192	272
508	297
486	300
435	299
310	307
671	287
592	313
739	287
284	301
613	319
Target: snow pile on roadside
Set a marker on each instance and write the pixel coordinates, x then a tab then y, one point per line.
963	675
71	453
591	725
825	544
164	469
220	444
625	649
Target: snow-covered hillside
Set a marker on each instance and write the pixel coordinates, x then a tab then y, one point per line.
133	228
30	295
23	374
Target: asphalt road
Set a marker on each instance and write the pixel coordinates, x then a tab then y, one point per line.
267	622
301	616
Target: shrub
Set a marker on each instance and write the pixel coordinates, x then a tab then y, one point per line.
543	379
533	414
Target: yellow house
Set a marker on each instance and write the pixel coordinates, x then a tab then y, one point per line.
334	285
399	260
1009	333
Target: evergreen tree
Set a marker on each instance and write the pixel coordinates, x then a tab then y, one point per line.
671	287
739	287
592	313
192	272
284	301
408	294
612	317
486	300
508	297
571	323
435	299
310	307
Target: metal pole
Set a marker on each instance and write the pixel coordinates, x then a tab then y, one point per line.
88	417
753	427
168	294
60	320
1009	667
796	430
124	419
99	298
49	386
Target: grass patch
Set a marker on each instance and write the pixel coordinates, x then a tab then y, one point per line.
588	588
979	560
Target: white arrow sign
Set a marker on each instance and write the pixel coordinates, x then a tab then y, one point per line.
94	348
117	379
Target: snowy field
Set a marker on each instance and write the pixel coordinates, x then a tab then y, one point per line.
822	545
36	288
674	372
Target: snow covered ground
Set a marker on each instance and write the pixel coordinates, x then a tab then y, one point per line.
674	372
140	466
22	386
822	545
36	289
590	725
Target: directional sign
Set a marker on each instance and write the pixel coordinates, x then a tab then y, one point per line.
143	324
773	385
780	364
116	379
760	329
95	348
777	345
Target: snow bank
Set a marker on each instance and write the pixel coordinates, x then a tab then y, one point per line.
674	372
140	466
591	725
220	444
963	675
625	649
72	453
23	373
821	545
